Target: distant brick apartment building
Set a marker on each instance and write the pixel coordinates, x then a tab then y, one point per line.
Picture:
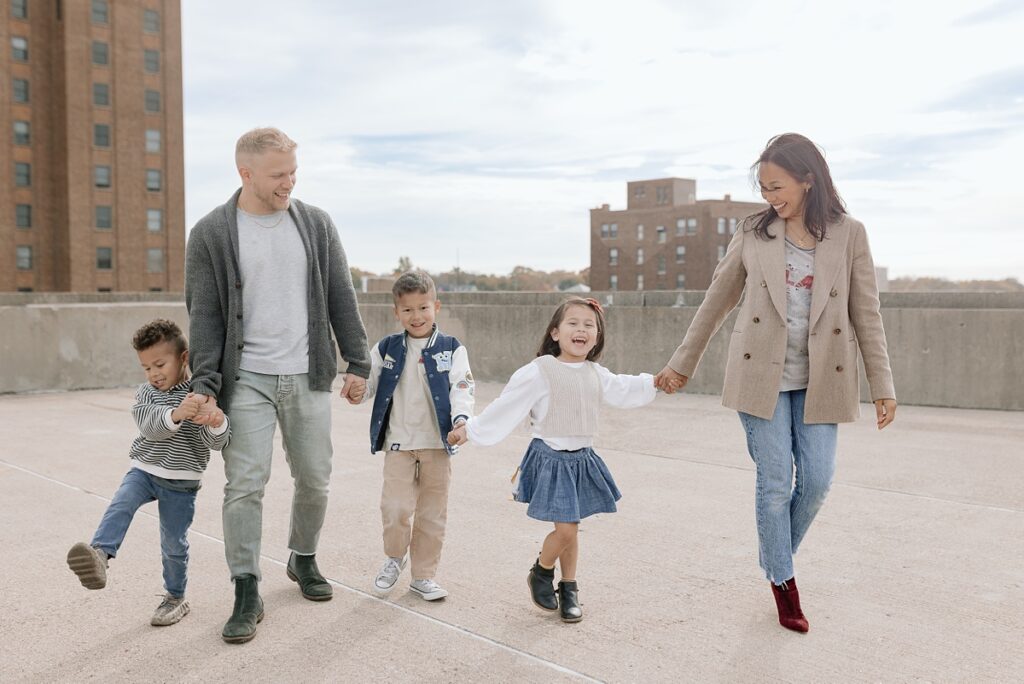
92	190
665	239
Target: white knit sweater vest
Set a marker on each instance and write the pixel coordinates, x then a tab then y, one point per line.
573	401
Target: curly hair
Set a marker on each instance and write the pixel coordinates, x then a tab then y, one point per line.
160	330
549	347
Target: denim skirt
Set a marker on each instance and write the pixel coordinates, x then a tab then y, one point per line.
564	486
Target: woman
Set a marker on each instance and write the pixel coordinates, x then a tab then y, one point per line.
811	301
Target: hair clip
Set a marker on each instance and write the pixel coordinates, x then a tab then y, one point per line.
595	304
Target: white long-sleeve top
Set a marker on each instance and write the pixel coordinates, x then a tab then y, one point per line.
527	394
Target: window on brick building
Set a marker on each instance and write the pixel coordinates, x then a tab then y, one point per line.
101	135
101	176
680	226
613	230
23	215
613	257
101	94
22	133
640	281
155	260
661	265
153	180
19	49
104	217
20	90
151	61
639	255
640	232
19	9
152	101
732	226
691	226
100	53
660	232
154	220
721	226
152	140
22	174
151	21
104	258
680	253
100	12
613	282
681	281
23	257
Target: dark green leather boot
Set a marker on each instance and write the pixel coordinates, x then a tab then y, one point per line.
248	612
302	569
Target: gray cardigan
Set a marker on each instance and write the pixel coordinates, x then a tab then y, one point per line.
213	297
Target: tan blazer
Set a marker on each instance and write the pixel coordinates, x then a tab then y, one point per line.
844	312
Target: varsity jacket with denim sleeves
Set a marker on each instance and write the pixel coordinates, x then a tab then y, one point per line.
446	364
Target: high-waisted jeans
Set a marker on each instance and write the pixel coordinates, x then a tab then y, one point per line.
786	507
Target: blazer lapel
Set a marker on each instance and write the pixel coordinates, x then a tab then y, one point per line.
828	258
772	256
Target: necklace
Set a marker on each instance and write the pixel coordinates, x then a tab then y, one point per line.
803	242
275	224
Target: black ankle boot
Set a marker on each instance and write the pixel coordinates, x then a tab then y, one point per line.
541	581
302	569
248	611
569	601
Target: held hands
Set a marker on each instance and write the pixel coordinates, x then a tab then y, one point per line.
669	382
188	408
354	388
458	437
208	412
885	410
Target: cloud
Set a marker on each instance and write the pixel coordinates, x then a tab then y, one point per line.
491	128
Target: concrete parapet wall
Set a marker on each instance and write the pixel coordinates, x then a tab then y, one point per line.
963	350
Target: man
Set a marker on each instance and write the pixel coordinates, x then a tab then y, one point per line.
266	283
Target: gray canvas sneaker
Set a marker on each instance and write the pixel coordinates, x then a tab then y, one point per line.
389	573
170	610
90	564
428	589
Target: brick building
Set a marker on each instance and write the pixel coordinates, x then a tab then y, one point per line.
665	239
92	190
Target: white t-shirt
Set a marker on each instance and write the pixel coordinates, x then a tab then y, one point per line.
413	424
275	295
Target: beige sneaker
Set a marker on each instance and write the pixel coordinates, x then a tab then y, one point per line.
169	611
90	564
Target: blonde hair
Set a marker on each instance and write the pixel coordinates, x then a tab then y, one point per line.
259	140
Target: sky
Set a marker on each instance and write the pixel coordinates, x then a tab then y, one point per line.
481	134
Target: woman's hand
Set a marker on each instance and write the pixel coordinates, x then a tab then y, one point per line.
668	381
885	410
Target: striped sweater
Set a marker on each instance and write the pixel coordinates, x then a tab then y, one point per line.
174	452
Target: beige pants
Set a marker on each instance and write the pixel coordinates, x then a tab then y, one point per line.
414	506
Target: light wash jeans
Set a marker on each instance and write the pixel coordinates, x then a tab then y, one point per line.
784	510
259	403
176	510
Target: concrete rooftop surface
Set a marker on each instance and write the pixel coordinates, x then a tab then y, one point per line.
913	571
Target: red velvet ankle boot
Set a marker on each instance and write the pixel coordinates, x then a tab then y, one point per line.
787	600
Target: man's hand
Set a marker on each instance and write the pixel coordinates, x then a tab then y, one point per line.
885	410
208	410
354	388
668	381
457	436
187	409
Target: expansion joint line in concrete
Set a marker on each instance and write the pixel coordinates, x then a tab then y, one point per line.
341	585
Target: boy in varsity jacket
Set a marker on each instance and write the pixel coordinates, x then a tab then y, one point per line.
168	458
422	387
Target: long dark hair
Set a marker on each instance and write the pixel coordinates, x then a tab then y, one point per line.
802	159
549	347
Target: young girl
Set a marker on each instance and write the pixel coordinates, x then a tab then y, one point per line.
560	477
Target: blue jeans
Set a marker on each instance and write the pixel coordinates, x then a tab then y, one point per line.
259	403
176	510
784	510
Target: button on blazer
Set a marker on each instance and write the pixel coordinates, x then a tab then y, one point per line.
844	317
